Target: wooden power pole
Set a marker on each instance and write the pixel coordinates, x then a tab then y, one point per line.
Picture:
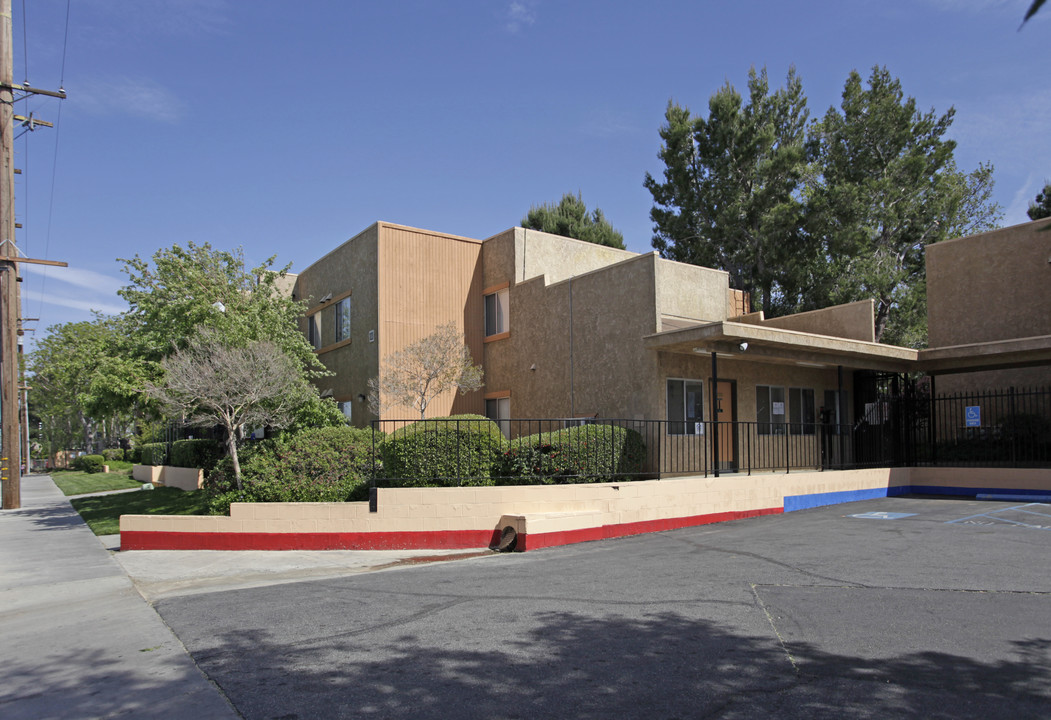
10	436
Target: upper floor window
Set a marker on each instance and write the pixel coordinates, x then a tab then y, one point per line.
314	330
343	319
496	313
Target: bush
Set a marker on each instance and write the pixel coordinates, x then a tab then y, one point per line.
442	453
153	453
133	455
202	454
327	464
589	453
89	463
113	454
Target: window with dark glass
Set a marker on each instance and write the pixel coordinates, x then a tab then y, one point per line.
685	407
496	313
801	411
770	410
343	319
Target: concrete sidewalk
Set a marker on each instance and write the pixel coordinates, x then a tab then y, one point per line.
78	640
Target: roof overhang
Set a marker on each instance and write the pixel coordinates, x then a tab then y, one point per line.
999	355
790	347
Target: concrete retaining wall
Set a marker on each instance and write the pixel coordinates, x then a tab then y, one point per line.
545	515
169	476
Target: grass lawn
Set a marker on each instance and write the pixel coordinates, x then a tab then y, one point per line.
102	513
73	482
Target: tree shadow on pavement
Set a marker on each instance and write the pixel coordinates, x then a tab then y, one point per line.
656	666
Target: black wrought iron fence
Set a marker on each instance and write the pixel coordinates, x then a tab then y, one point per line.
457	451
999	428
1011	428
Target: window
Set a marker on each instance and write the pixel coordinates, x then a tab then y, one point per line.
770	410
836	408
347	408
499	409
314	330
496	313
343	319
801	411
685	407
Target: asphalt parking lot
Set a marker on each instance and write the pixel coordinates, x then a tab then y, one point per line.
902	607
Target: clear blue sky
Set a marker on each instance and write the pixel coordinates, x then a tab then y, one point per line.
287	128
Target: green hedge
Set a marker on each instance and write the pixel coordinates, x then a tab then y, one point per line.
589	453
204	454
89	463
153	453
327	464
442	453
133	455
113	454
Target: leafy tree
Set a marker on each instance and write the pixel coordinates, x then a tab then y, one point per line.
1041	206
212	381
425	369
809	216
570	218
185	289
72	392
888	186
729	197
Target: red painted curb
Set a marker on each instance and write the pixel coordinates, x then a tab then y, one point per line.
568	537
423	540
433	540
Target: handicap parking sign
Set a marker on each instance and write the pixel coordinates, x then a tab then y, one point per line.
973	415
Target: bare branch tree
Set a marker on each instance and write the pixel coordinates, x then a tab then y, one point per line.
413	377
212	383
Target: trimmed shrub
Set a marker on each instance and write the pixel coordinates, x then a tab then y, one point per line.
202	454
153	453
89	463
442	453
584	454
326	464
113	454
133	455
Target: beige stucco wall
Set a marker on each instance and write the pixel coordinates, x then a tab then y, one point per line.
518	254
852	320
691	292
988	287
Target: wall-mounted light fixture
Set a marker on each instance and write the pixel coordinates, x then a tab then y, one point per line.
743	346
326	298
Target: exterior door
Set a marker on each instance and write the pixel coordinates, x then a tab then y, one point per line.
726	416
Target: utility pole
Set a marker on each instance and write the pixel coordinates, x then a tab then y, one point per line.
10	436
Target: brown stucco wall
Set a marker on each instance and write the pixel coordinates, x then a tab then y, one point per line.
988	287
426	279
613	375
351	267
